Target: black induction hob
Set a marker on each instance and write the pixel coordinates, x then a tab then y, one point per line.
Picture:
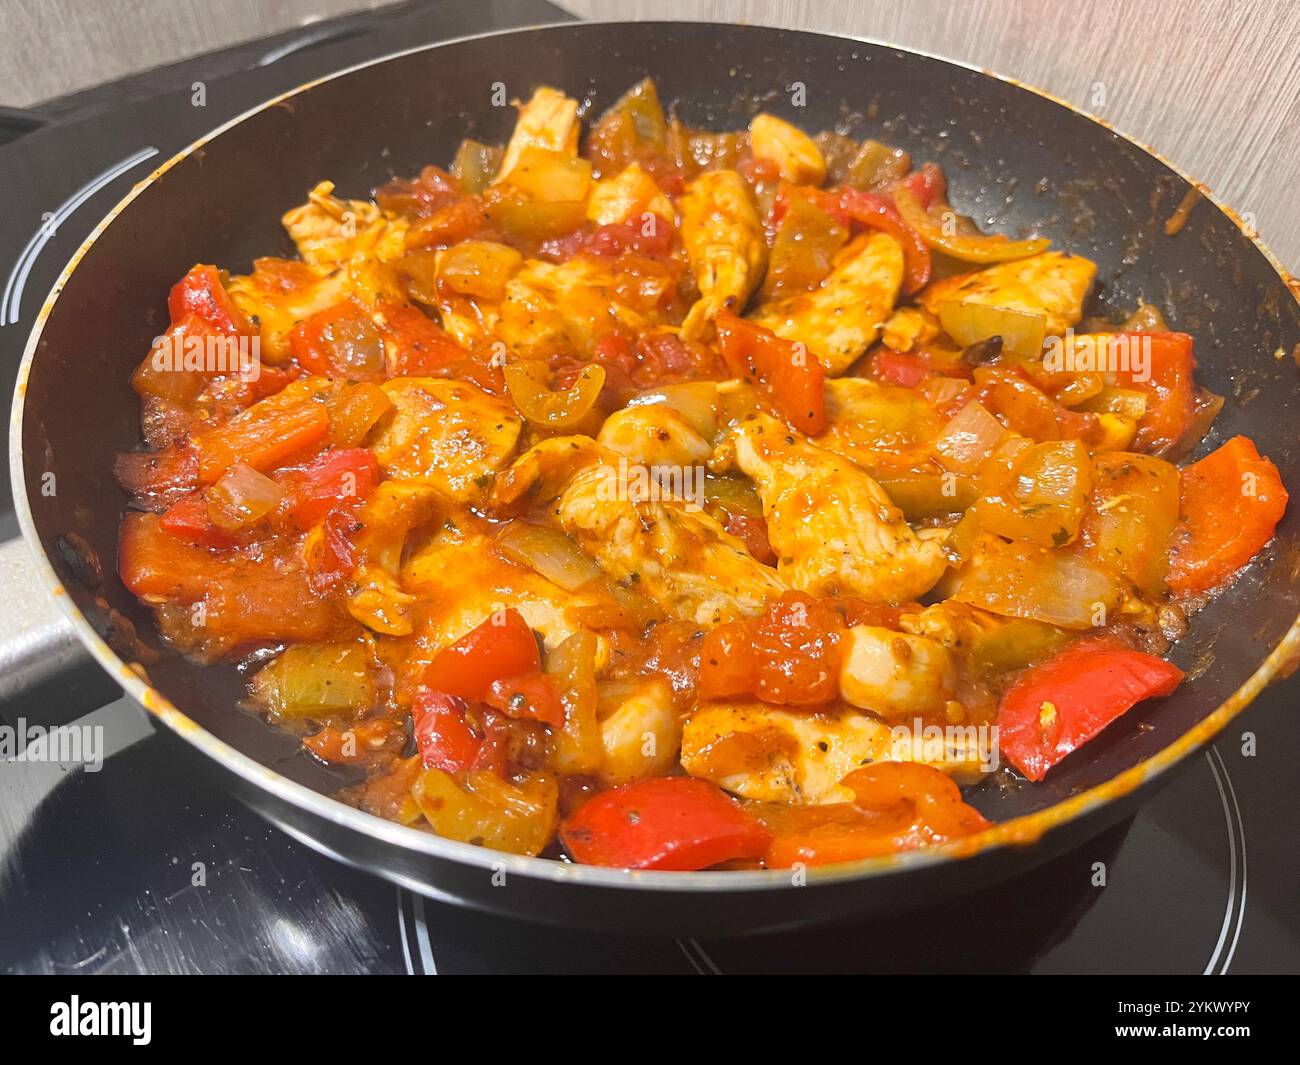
145	867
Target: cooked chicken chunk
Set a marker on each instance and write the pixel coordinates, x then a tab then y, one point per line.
387	520
843	316
771	754
629	194
567	307
672	551
545	469
549	120
895	674
329	231
448	433
654	434
794	152
459	581
833	528
724	244
641	734
1054	284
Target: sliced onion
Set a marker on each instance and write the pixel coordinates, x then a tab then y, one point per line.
242	498
1022	581
1129	402
942	391
695	401
968	323
970	248
549	552
969	438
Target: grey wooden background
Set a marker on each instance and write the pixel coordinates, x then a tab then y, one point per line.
1213	84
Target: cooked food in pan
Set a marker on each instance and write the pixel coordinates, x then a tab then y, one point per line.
672	499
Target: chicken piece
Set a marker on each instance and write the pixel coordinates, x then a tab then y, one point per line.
771	754
629	194
551	308
843	316
653	434
667	547
894	674
278	300
724	243
549	120
882	428
909	327
641	733
328	231
795	153
1054	284
459	580
386	521
447	433
545	469
833	528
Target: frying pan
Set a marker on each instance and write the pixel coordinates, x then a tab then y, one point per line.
1016	159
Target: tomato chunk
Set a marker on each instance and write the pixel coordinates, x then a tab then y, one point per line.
1057	707
343	476
788	371
672	823
1230	504
789	656
340	342
503	646
443	735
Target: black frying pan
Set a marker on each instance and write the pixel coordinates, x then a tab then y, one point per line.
1015	159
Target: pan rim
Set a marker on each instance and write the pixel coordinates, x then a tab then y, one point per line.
1024	830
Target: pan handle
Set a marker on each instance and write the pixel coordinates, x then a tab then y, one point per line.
44	667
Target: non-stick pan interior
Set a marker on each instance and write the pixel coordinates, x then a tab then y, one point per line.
1015	160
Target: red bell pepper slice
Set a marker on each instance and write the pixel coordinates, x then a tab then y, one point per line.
268	434
1057	707
442	733
188	520
878	212
1168	383
530	697
789	372
1230	504
503	646
343	476
672	823
201	294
